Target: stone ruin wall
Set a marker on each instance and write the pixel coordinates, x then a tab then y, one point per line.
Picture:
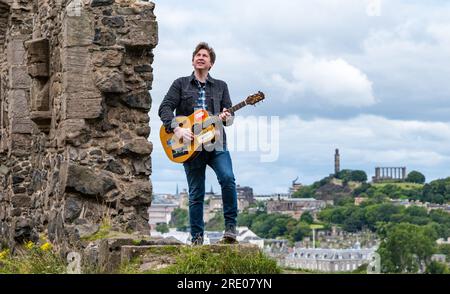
74	102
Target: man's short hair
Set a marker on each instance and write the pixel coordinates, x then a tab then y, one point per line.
204	45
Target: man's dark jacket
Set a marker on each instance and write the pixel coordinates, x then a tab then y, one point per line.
182	97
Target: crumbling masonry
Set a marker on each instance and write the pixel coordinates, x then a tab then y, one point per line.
75	77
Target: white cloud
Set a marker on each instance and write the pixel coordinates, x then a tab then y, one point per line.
330	81
441	33
307	149
336	64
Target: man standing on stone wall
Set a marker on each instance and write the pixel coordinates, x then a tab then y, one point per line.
186	95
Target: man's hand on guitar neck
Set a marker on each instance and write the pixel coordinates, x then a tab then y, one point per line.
225	115
184	134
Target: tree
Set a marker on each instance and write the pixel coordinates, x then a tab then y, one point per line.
217	223
405	247
437	268
179	219
304	192
307	217
358	176
355	221
300	231
380	213
344	174
415	177
162	228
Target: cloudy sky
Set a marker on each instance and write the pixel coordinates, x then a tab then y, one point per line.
368	77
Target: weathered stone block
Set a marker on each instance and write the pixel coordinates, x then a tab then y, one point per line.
19	113
143	68
87	229
139	146
19	78
24	230
115	167
143	131
142	167
16	52
137	193
89	106
78	30
110	58
72	208
4	170
37	51
20	144
38	70
97	3
77	71
110	82
143	34
103	38
88	182
40	96
140	100
113	21
21	200
55	226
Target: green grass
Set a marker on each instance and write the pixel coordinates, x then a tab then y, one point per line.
32	261
405	186
204	260
103	232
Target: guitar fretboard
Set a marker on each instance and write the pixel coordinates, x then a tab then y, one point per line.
237	107
231	110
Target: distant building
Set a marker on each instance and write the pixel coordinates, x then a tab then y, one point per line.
439	258
295	187
160	211
246	193
216	204
275	196
328	260
295	207
389	174
337	162
184	199
442	241
428	206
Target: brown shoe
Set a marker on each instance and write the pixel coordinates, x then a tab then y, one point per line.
226	240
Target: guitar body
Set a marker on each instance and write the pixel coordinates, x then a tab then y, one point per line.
204	133
205	129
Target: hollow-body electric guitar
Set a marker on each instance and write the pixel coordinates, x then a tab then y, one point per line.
203	126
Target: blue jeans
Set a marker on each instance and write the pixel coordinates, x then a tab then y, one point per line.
220	162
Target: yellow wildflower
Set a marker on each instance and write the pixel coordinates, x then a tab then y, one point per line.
46	246
4	254
29	245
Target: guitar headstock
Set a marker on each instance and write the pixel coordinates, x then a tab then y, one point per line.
255	98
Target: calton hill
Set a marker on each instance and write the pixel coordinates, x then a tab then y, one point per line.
408	217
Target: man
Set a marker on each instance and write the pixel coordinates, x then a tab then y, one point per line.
187	94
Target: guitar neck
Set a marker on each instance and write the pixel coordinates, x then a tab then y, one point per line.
232	110
237	107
